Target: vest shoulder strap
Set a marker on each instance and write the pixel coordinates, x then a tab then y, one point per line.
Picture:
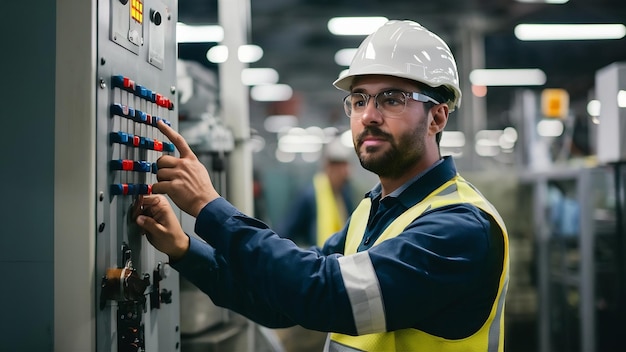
455	191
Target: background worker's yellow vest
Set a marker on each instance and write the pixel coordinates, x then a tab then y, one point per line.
489	338
330	216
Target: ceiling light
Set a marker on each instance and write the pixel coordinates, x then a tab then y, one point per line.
550	128
355	25
621	98
199	34
271	92
246	53
569	31
300	143
344	57
284	157
217	54
258	76
278	123
249	53
593	108
452	139
508	77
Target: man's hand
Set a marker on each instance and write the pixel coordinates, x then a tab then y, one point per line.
185	180
164	232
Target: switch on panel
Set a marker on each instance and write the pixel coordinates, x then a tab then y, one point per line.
155	17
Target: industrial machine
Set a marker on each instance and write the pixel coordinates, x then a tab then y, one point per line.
138	294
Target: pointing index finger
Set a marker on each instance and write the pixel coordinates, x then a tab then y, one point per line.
178	140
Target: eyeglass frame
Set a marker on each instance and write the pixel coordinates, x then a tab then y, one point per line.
421	97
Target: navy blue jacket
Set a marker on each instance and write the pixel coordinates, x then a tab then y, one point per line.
438	275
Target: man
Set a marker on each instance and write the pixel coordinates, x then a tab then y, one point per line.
421	265
322	208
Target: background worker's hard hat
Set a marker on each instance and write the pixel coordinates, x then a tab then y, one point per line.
405	49
336	151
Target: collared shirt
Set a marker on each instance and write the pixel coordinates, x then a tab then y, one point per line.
438	275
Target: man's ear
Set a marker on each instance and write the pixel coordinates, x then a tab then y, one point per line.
440	115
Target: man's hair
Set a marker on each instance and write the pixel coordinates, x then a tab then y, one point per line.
442	94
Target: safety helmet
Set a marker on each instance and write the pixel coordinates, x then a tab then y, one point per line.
408	50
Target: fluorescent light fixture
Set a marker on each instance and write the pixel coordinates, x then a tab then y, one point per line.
300	143
508	77
550	128
258	76
621	98
280	123
257	143
355	25
284	157
246	53
486	148
569	31
249	53
508	138
271	92
199	34
544	1
452	139
217	54
344	57
593	108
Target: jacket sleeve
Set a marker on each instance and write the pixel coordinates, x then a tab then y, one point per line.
212	275
246	267
271	280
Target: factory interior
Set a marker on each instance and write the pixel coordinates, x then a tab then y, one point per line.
539	133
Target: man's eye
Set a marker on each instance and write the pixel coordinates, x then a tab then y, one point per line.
391	100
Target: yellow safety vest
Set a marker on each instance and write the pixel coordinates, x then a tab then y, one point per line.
490	336
330	217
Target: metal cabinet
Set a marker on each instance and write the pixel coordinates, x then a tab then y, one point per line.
578	243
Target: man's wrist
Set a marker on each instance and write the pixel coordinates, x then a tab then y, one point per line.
180	250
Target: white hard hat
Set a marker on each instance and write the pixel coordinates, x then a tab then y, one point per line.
405	49
336	151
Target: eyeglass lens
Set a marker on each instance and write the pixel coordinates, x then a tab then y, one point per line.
391	102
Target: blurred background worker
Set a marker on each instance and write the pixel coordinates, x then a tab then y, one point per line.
321	208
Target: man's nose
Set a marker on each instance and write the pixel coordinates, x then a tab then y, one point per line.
371	113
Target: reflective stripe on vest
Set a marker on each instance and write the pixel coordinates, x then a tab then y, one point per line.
490	337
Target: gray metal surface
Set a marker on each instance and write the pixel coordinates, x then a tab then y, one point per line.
135	40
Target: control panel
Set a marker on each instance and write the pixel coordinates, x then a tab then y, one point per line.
137	292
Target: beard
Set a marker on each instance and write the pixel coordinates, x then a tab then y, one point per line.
403	153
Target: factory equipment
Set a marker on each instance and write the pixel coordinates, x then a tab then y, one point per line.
576	259
611	92
579	230
137	294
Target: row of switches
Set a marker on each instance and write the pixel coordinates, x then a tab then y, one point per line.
141	142
129	85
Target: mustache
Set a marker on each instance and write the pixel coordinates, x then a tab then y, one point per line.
372	132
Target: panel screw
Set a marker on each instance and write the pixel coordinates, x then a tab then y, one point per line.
101	227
